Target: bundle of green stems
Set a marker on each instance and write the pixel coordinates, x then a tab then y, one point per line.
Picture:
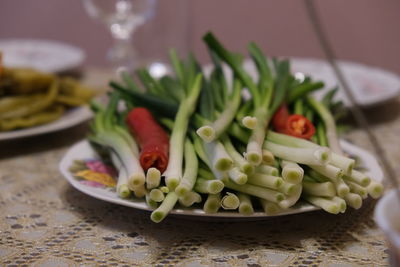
224	154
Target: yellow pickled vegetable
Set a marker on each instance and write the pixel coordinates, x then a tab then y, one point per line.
35	119
11	102
71	88
33	106
29	97
70	100
25	81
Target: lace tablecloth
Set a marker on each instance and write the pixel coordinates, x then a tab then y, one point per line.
46	222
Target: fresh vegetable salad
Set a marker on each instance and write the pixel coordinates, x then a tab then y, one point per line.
194	140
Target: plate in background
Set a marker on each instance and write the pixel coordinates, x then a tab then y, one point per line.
370	85
83	151
44	55
70	118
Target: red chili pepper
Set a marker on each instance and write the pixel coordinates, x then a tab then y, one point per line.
299	126
280	117
152	139
294	125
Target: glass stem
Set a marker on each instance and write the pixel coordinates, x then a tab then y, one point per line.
123	54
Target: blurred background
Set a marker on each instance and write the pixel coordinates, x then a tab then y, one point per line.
364	31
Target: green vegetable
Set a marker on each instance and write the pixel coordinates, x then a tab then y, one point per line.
270	208
208	186
230	201
173	173
156	195
123	148
329	122
213	203
311	156
191	167
264	180
324	203
166	206
222	151
326	189
292	172
267	169
245	206
353	200
254	190
153	178
189	198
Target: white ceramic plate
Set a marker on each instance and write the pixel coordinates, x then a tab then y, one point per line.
370	85
83	151
44	55
70	118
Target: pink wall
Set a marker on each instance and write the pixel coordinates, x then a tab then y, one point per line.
365	31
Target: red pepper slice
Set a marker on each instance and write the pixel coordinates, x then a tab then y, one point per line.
151	137
299	126
280	117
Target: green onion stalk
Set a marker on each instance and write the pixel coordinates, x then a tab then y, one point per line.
329	123
215	113
267	169
153	178
208	157
312	156
353	200
213	131
375	189
213	203
205	186
254	190
292	172
150	203
292	198
166	206
230	201
238	159
324	203
173	173
107	133
122	183
261	93
191	165
338	160
189	198
341	203
245	206
270	208
156	195
287	188
326	189
265	180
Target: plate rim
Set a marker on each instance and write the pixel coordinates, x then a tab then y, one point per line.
79	52
91	191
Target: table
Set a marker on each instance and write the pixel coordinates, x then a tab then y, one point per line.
46	222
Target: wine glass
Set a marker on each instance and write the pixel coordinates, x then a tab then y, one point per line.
122	17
